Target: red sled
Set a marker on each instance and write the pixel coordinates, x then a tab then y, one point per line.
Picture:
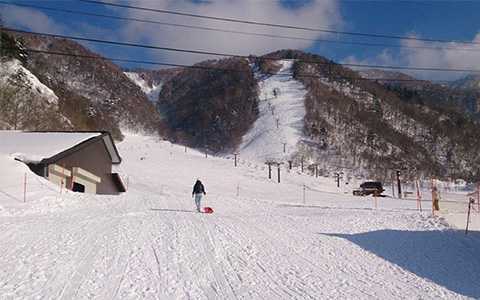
208	210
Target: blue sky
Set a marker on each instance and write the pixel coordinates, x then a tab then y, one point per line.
451	20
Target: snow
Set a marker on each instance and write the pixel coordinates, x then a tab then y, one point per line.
35	146
264	241
14	67
264	141
151	90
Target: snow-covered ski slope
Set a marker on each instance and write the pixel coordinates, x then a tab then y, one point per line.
281	112
263	241
152	91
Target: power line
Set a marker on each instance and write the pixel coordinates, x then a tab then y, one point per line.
143	62
117	43
214	29
233	20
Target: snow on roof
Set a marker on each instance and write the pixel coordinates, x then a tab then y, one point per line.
32	147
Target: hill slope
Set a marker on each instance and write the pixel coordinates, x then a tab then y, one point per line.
210	108
264	243
93	94
347	123
280	121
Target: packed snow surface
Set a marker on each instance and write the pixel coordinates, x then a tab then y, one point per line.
280	123
151	90
11	68
35	146
302	238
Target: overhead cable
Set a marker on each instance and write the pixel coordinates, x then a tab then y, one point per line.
246	33
260	23
211	68
211	53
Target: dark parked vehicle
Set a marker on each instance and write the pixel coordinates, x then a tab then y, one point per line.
369	188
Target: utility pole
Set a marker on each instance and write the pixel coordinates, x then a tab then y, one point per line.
302	164
235	163
269	164
304	201
284	147
337	177
315	169
278	122
393	185
289	164
399	186
278	169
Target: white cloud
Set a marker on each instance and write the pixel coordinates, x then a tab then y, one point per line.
456	57
26	18
320	14
315	13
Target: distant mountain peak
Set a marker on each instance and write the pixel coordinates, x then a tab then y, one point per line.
469	82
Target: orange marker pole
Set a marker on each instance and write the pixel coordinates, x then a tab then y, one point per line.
61	181
432	186
478	197
419	196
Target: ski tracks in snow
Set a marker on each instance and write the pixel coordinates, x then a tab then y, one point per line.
153	245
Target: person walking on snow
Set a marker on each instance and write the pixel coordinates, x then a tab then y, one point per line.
198	191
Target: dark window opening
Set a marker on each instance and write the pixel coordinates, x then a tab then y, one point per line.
77	187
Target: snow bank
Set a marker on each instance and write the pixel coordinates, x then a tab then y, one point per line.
35	146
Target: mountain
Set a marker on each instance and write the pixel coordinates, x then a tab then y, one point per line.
321	113
26	102
210	106
380	129
457	95
93	94
393	78
469	82
287	105
151	81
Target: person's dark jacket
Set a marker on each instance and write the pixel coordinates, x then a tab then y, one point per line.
198	188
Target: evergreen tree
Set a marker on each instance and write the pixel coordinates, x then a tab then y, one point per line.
10	47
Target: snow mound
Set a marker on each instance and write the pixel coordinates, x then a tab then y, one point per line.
278	129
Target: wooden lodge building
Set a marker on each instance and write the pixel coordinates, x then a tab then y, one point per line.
79	161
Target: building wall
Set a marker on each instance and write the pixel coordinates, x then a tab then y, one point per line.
95	159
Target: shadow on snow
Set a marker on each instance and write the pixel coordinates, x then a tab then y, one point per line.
175	210
448	258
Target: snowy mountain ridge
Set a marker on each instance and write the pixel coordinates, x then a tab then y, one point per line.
93	94
12	70
26	102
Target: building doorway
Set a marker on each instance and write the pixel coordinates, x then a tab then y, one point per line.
77	187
